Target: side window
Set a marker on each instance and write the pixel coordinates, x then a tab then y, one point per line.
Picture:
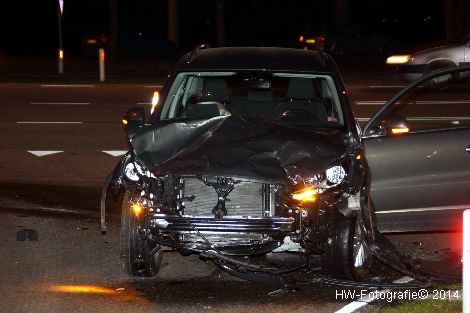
442	102
330	97
175	97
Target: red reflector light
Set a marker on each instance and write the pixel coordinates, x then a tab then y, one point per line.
301	38
322	39
102	55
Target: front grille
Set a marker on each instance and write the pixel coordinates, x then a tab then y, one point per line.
246	199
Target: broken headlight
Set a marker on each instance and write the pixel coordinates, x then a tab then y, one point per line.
335	175
332	177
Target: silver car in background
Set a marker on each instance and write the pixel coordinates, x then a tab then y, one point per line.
412	66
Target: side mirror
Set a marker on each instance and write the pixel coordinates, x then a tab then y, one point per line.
393	124
134	116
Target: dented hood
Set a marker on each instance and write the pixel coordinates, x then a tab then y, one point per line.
237	146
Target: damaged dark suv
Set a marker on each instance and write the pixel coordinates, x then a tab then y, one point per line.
253	160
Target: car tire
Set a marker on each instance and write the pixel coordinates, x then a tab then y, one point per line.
139	257
436	66
347	256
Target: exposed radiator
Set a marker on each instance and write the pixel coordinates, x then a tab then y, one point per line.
246	199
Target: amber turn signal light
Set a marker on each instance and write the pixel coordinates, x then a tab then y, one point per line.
136	209
305	195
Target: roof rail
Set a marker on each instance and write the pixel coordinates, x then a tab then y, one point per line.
198	47
202	46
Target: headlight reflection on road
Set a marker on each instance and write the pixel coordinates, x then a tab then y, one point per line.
93	290
82	289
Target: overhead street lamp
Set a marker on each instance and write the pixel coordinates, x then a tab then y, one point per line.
60	13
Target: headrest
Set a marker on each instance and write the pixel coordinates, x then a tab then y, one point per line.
300	89
260	96
215	89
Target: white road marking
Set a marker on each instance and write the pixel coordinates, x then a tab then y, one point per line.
61	103
41	122
67	86
115	153
154	86
421	102
22	205
438	118
445	208
426	118
385	86
369	102
41	153
363	301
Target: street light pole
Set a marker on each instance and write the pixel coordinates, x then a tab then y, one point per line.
61	49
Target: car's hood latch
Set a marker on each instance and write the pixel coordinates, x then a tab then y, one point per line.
223	186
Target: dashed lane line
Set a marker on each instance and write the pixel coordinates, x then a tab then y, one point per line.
47	122
60	103
387	86
68	86
421	102
427	118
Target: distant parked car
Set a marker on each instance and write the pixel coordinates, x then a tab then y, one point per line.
136	44
412	66
346	41
92	41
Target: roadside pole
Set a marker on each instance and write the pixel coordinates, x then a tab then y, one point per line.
60	12
466	262
101	57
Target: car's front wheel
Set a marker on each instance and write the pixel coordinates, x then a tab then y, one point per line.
347	254
140	257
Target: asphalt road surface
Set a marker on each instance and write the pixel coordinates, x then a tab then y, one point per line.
58	142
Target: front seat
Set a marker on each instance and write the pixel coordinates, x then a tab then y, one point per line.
214	95
301	96
260	103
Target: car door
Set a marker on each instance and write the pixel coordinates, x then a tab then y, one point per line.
418	150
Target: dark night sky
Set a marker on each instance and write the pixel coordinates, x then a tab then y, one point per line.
29	27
